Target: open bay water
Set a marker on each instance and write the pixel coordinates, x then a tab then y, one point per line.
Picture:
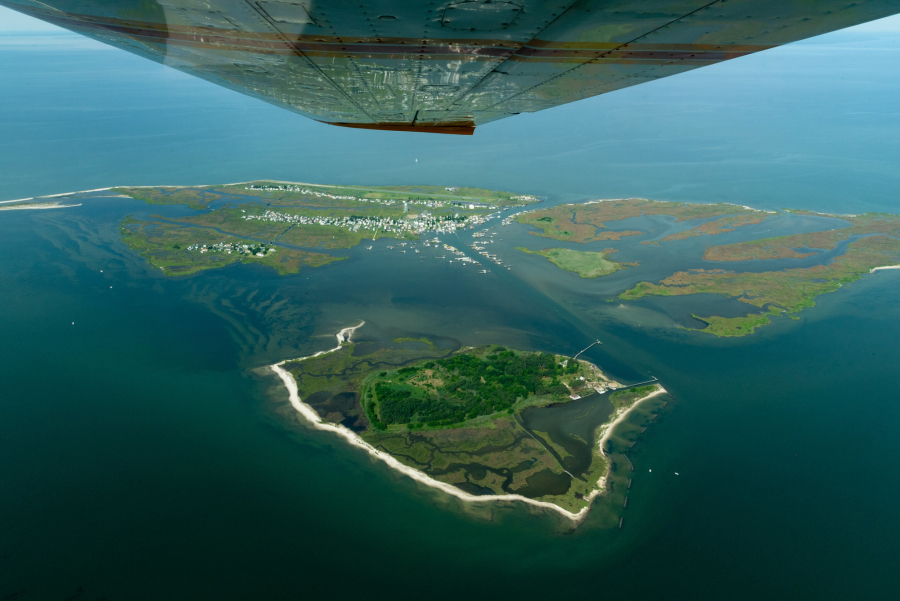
137	456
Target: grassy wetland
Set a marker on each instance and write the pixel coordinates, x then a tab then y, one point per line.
586	264
857	244
872	241
587	222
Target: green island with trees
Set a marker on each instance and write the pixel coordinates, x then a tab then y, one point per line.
464	416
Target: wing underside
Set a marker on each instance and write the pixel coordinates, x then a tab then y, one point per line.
443	66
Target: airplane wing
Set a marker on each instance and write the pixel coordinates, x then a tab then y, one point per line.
444	67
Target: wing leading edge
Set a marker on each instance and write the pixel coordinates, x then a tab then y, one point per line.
443	67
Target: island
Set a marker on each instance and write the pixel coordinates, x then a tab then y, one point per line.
586	264
287	226
482	423
859	244
872	242
587	222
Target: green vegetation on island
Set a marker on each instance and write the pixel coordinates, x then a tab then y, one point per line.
872	240
179	250
585	264
288	193
458	197
786	246
195	198
468	385
587	222
463	416
424	341
784	291
718	226
622	399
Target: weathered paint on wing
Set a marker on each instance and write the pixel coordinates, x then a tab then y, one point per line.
443	66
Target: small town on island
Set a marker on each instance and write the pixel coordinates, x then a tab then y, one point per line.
250	222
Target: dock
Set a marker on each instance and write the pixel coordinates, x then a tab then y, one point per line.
653	381
595	343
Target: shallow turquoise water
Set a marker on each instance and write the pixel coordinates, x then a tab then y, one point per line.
137	458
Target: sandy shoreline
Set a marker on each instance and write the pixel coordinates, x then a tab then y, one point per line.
874	269
621	415
122	196
310	415
38	206
271	181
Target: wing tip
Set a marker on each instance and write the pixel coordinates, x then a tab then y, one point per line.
458	129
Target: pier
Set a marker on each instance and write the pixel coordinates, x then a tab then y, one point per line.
653	381
595	343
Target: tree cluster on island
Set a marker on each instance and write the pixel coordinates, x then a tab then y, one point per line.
465	386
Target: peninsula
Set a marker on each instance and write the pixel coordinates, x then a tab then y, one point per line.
483	424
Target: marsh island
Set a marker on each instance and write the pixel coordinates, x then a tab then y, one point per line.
858	245
489	421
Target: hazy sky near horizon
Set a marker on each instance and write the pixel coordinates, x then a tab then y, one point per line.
12	21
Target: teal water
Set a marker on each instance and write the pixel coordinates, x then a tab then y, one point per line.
139	458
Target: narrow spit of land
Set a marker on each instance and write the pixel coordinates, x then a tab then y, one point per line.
31	206
453	419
